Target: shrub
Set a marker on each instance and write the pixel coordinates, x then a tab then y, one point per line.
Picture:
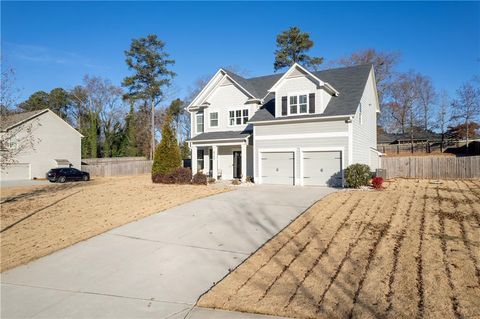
180	175
377	182
199	179
357	175
236	182
167	154
211	180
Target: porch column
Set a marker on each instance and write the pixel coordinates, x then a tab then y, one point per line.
206	162
244	162
194	159
215	161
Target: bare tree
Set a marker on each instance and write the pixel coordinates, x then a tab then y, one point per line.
442	118
426	98
8	93
17	140
466	107
403	96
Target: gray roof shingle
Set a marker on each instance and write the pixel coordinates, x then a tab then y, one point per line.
16	118
348	81
224	135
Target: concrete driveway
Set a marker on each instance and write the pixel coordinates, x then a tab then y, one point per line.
156	267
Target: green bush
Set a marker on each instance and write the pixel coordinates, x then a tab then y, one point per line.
167	154
357	175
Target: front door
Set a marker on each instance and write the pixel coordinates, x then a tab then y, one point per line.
237	164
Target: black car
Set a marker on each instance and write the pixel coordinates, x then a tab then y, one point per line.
62	175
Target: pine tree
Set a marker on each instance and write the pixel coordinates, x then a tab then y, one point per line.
167	153
292	47
129	145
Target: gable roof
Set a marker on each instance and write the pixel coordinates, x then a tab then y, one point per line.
348	81
15	119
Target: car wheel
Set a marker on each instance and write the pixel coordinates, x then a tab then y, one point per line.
62	179
86	178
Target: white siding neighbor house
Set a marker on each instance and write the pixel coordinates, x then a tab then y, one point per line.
295	128
55	144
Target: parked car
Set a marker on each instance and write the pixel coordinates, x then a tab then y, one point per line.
62	175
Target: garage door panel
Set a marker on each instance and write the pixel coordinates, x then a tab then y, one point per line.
322	168
278	168
18	171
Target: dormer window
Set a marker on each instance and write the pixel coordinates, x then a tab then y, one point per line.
298	104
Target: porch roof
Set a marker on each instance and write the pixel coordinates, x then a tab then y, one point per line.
220	136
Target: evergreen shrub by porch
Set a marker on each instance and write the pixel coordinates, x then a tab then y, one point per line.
200	179
357	175
167	154
180	175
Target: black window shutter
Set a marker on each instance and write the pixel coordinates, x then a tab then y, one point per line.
284	105
311	103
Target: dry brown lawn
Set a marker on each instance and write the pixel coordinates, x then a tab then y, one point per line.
409	251
57	216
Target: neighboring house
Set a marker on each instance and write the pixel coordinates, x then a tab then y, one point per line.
56	144
295	128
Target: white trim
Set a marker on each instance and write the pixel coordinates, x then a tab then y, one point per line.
293	150
204	88
301	136
196	122
234	109
296	65
323	149
350	142
298	103
309	119
210	119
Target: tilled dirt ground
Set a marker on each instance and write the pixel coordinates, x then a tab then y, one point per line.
409	251
38	220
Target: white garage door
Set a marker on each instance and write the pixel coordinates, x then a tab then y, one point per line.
322	168
17	171
278	168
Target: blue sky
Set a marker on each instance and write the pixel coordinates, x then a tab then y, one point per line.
53	44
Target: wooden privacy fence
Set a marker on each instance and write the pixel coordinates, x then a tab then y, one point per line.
118	166
434	167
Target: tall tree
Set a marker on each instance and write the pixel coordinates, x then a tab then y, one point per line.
129	145
150	63
426	98
292	47
466	107
442	118
58	100
8	93
404	95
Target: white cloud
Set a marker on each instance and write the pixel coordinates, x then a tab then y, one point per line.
41	54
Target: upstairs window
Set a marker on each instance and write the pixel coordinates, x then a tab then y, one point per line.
200	122
214	119
298	104
238	117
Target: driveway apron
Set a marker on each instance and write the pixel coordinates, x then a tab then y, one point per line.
156	267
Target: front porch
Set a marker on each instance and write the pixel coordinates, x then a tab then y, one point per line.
223	159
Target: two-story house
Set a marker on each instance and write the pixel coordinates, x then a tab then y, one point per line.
295	128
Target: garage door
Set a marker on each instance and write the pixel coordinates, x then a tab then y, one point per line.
278	168
17	171
322	168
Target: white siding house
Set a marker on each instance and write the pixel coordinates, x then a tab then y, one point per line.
56	144
296	128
